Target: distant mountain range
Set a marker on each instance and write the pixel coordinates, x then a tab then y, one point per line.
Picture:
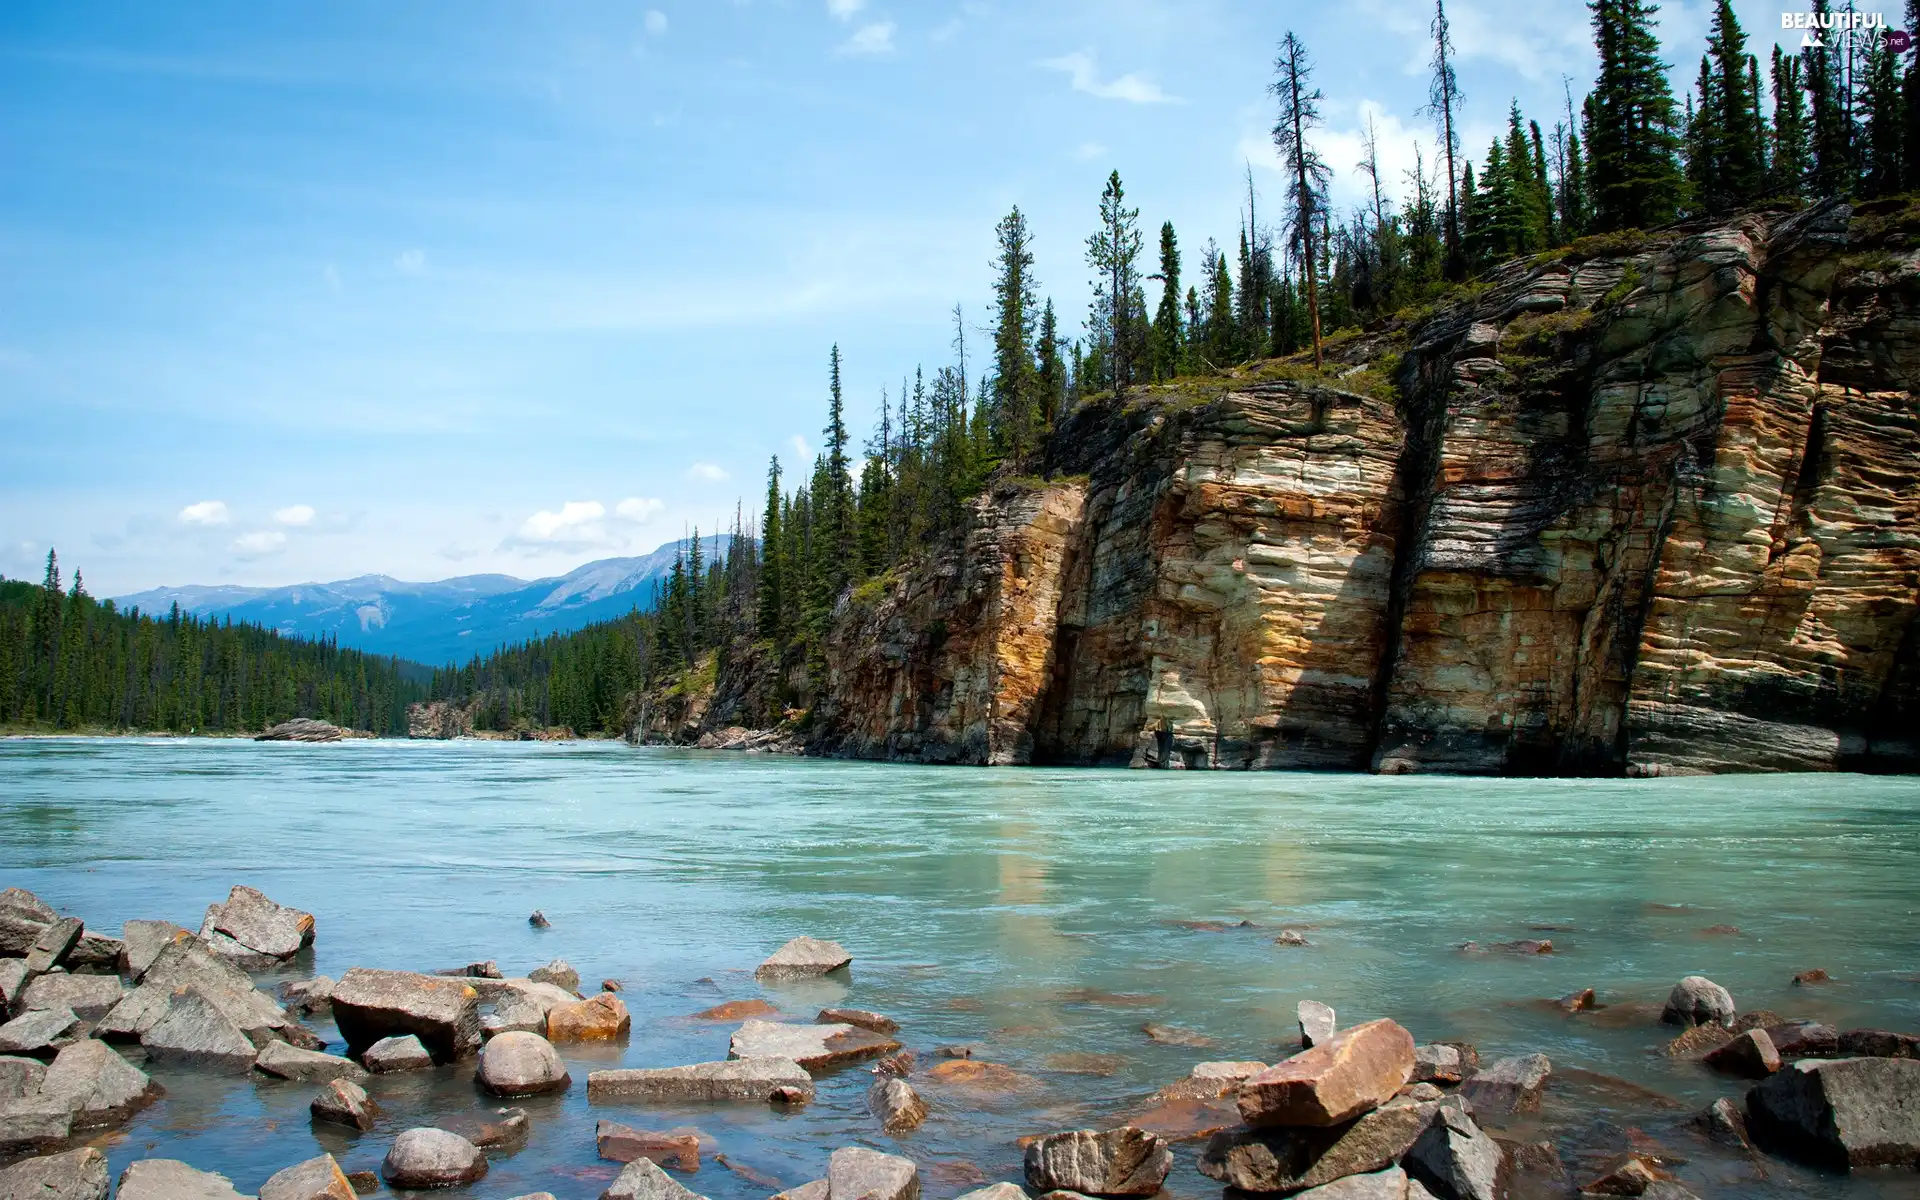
434	623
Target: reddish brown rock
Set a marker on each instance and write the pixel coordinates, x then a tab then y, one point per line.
601	1018
1879	1043
1698	1041
1114	1162
1813	975
1353	1072
858	1017
1749	1056
623	1144
737	1010
1629	1175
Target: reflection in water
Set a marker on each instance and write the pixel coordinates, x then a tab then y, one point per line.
1043	917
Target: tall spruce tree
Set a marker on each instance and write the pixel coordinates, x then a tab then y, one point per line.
1050	373
770	610
1017	424
1169	339
1307	174
1791	162
1113	253
1910	95
1883	168
1739	174
837	498
1632	141
1832	121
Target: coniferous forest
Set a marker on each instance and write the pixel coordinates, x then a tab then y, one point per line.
1837	119
70	662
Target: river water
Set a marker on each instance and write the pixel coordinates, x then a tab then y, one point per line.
1042	915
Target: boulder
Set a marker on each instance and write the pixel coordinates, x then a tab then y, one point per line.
192	963
642	1179
262	926
39	1034
1723	1122
34	1125
142	941
1878	1043
1112	1162
612	985
74	1175
803	958
20	1077
404	1053
812	1046
1749	1056
521	1064
1804	1039
313	996
503	1127
539	920
817	1190
857	1016
623	1144
344	1102
1454	1158
1316	1022
1292	1158
1844	1113
1349	1074
857	1173
315	1179
444	1014
56	939
170	1179
1390	1184
193	1030
283	1061
515	1013
432	1158
1225	1072
23	916
743	1079
1697	1000
558	973
1507	1086
97	1085
603	1018
1439	1062
90	997
14	978
897	1106
95	954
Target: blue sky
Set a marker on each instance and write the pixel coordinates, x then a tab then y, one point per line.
308	291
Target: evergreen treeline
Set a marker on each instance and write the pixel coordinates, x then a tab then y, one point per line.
1840	118
68	661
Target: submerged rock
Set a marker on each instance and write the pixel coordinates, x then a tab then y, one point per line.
737	1010
390	1054
1697	1000
1115	1162
344	1102
897	1106
1628	1175
521	1064
642	1179
1847	1113
73	1175
315	1179
857	1173
623	1144
811	1046
1508	1086
444	1014
743	1079
283	1061
1723	1122
1698	1041
1349	1074
559	973
802	958
170	1179
503	1127
432	1158
856	1016
1804	1039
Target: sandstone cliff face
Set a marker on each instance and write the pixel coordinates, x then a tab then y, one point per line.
1644	508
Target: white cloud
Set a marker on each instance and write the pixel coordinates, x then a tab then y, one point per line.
876	38
265	541
1133	88
801	448
638	508
206	512
412	262
706	472
1089	150
656	22
558	526
843	10
1343	148
294	514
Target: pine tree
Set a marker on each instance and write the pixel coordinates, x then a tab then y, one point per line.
1542	197
1631	140
1169	339
1016	424
1306	173
1832	173
770	609
1884	143
1740	164
1050	374
837	498
1443	99
1705	162
1791	163
1113	254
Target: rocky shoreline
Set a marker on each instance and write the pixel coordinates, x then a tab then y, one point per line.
1360	1112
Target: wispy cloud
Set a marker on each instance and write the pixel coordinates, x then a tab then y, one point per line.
411	262
1089	150
873	39
706	472
294	514
638	508
205	512
1133	88
844	10
801	448
265	541
656	23
570	520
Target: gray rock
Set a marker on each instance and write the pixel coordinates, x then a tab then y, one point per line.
642	1179
802	958
192	963
993	1191
515	1012
1316	1022
97	1085
344	1102
309	995
302	729
38	1034
195	1031
558	973
392	1054
1438	1062
75	1175
90	997
816	1189
1697	1000
14	978
857	1016
1290	1158
521	1064
809	1045
443	1013
1390	1184
50	949
142	942
20	1077
432	1158
23	917
1722	1122
1454	1158
170	1179
857	1173
283	1061
505	1127
743	1079
34	1124
898	1107
1508	1086
263	926
315	1179
95	954
1844	1113
1112	1162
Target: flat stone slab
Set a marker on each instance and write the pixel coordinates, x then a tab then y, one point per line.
740	1079
97	1085
283	1061
89	996
75	1175
857	1173
812	1046
623	1144
263	926
142	942
171	1179
37	1034
854	1016
1111	1162
803	958
34	1124
1351	1073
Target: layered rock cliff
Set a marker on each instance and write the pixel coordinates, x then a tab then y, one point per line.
1645	506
